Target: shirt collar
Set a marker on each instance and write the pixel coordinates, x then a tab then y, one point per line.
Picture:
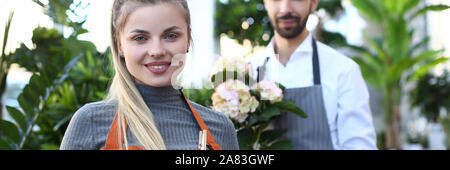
304	47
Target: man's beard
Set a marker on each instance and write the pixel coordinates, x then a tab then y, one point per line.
291	32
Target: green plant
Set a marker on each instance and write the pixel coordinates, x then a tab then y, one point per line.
392	60
200	96
4	62
445	122
86	81
46	77
60	12
432	94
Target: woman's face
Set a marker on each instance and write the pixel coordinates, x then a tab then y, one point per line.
152	38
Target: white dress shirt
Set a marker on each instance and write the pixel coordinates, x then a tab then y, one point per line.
345	93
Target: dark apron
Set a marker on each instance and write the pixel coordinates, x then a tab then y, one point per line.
312	133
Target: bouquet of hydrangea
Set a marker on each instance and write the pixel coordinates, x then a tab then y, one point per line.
250	105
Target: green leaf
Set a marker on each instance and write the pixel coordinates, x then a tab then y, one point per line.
18	116
370	74
429	8
268	113
37	85
381	53
372	62
400	67
398	39
281	87
291	107
31	96
426	55
269	136
49	147
39	3
369	9
27	108
409	4
281	145
4	145
6	35
246	138
10	130
4	59
46	81
425	68
420	44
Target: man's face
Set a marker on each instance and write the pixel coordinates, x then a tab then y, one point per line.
289	17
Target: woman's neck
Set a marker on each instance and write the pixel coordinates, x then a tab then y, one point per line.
158	94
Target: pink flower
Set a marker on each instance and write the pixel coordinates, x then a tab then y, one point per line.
269	91
233	98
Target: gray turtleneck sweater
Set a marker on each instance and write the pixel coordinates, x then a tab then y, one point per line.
90	126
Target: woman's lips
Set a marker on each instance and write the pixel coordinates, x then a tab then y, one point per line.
158	67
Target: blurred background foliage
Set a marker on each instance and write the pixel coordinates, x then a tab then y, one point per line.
54	92
392	60
4	62
432	95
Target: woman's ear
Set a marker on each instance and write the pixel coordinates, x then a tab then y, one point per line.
120	51
188	46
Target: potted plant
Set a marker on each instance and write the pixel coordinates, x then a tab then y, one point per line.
431	96
393	60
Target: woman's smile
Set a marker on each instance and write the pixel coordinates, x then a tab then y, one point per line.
158	67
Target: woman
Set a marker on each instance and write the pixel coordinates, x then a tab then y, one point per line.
148	36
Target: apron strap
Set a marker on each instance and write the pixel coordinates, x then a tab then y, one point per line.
316	64
201	123
261	71
113	142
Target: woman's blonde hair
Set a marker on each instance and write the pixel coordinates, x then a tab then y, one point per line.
131	105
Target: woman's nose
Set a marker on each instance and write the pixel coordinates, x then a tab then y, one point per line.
156	49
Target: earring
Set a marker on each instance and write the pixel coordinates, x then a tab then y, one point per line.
187	51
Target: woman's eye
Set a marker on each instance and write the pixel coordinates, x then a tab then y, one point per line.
140	38
171	36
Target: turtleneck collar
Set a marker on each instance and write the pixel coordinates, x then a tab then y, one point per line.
159	94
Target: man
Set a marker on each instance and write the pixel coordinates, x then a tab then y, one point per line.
328	86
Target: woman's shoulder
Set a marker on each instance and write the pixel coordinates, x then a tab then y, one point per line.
87	125
207	112
104	104
96	110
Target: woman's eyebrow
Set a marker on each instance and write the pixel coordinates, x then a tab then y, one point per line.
171	28
139	31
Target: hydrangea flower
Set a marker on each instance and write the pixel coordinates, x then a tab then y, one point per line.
234	99
269	91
